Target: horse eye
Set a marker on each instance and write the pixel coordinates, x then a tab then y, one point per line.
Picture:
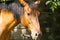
28	14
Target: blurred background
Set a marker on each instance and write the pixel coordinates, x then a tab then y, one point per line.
49	21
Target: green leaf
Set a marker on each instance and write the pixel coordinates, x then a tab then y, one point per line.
55	0
52	8
2	0
53	4
58	3
48	2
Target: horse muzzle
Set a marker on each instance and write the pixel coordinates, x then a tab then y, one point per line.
35	35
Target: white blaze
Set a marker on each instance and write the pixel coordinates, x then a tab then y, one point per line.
33	34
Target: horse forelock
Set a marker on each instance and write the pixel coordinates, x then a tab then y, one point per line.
33	6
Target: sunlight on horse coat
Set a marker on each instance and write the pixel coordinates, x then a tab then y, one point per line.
10	17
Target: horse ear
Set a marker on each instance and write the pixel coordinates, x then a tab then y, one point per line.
37	2
23	2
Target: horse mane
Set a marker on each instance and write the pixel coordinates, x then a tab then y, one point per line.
14	7
2	5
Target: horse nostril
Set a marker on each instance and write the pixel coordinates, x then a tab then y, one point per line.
36	34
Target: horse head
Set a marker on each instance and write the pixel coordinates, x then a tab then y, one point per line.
30	18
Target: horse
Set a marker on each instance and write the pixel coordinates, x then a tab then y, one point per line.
13	14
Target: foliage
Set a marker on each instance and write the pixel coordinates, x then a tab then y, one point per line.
53	4
3	0
50	37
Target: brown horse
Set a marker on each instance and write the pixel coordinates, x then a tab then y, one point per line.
13	15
